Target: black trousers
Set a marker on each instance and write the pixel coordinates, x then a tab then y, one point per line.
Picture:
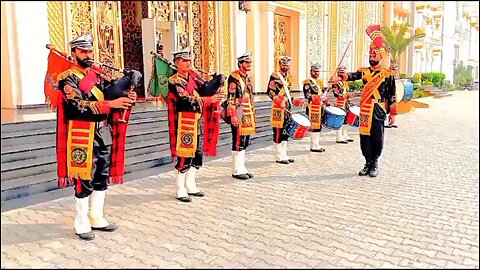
184	163
101	173
239	142
372	145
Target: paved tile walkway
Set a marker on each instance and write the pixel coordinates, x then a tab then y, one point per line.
422	210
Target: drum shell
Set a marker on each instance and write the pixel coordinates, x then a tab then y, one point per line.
352	118
294	129
331	120
404	90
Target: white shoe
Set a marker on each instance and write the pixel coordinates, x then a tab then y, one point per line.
345	133
285	150
97	201
82	222
181	187
242	164
340	138
191	183
315	142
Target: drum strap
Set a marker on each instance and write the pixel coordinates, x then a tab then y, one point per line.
187	133
367	103
277	116
247	123
315	115
315	108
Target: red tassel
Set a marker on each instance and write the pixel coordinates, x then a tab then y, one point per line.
62	182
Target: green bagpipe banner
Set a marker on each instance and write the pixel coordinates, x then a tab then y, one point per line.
158	86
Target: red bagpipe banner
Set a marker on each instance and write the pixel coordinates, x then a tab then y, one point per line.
57	64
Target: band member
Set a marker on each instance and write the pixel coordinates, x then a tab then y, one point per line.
278	89
85	123
342	100
377	99
185	114
242	113
313	91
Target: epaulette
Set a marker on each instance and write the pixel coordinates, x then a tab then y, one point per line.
307	81
235	72
363	69
64	74
275	75
174	79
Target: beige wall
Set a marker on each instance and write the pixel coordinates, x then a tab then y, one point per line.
9	82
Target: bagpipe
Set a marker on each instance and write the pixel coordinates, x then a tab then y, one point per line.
163	69
116	88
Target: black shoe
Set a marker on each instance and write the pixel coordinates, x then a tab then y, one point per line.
350	140
250	174
394	126
365	170
291	160
374	170
108	228
388	126
282	161
242	176
344	142
318	150
86	236
197	194
185	199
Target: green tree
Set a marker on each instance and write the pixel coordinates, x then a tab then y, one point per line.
396	42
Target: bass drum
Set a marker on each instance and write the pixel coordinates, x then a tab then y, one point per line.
403	90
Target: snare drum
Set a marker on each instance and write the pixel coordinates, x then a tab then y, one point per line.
353	116
333	117
297	126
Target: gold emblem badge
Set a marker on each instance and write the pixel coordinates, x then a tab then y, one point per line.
79	155
246	120
187	139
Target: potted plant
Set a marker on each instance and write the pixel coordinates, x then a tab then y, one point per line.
396	42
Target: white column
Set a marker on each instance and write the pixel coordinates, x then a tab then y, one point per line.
254	45
265	57
240	26
448	52
31	20
302	48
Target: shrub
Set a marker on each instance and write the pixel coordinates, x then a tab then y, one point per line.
449	87
427	83
436	78
415	80
355	86
418	93
418	77
417	86
403	76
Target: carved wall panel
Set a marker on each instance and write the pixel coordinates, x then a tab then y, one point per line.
183	24
108	31
81	18
315	24
281	34
225	37
360	35
56	24
370	15
332	50
346	33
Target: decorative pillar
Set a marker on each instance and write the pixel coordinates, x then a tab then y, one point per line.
265	60
302	48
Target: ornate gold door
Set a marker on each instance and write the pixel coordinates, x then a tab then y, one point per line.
100	18
281	35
